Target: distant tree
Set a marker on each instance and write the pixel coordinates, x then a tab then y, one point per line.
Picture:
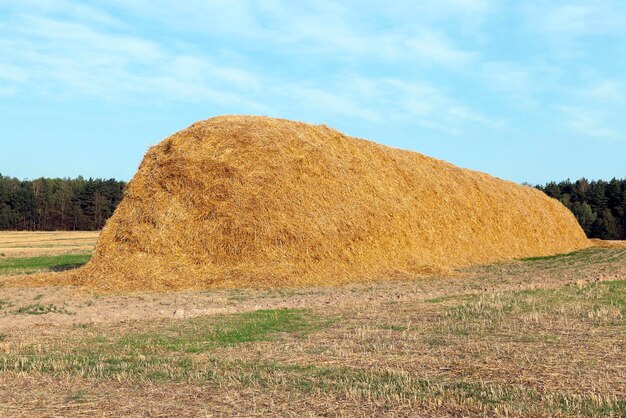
583	185
599	206
585	215
57	204
553	190
605	226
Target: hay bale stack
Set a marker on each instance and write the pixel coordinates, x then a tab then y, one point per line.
255	201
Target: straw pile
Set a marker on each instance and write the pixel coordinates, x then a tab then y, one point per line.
608	243
260	202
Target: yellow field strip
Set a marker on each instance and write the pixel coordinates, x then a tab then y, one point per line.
32	244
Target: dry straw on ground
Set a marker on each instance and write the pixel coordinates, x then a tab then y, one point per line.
608	243
36	244
255	201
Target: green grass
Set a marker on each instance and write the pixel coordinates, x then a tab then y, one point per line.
393	327
39	309
203	334
380	385
5	303
615	293
587	256
165	353
35	264
575	254
192	352
530	316
79	396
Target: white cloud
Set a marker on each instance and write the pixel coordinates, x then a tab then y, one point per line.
328	102
568	18
596	109
64	49
12	73
592	123
424	104
436	48
469	15
607	91
509	77
335	30
566	24
382	100
520	83
68	58
7	91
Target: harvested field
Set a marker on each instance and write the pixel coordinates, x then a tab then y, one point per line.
241	201
537	337
35	244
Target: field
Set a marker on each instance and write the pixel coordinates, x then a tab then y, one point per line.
534	337
34	244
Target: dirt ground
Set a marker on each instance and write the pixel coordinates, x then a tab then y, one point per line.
92	308
540	337
88	308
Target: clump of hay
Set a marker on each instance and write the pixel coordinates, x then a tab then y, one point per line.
607	243
254	201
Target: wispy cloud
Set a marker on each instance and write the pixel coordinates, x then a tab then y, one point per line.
335	30
577	18
566	25
422	103
592	123
508	77
319	99
57	56
84	51
606	91
62	49
596	109
436	48
12	73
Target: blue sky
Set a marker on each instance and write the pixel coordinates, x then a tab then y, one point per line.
529	91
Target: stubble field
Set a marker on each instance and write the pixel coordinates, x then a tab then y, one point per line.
535	337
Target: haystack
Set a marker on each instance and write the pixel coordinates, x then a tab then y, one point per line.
260	202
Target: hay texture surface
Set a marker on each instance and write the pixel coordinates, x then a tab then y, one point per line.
254	201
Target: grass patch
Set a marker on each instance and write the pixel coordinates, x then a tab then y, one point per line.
35	264
615	293
5	303
78	396
574	254
384	386
168	353
441	299
202	334
587	256
392	327
39	309
517	313
187	352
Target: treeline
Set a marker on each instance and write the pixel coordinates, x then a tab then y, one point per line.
599	206
57	204
85	205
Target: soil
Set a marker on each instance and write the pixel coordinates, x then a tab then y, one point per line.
80	307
